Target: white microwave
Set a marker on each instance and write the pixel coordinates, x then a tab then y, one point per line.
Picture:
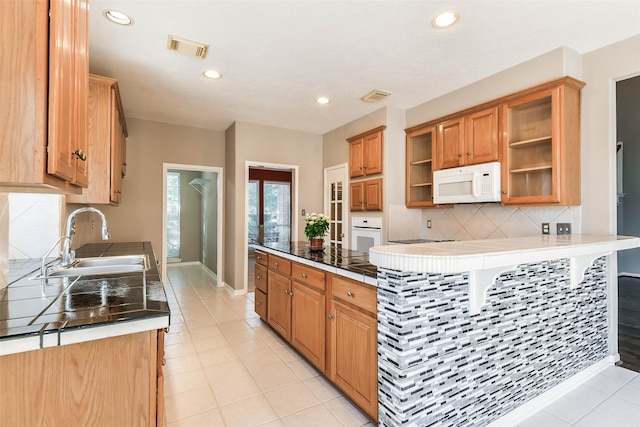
467	184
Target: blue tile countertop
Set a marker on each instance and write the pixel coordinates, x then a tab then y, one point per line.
345	262
36	314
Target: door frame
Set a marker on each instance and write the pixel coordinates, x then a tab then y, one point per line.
294	208
219	213
346	242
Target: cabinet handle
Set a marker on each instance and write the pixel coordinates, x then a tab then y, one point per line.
286	291
330	317
80	154
349	293
360	167
504	192
365	203
258	304
459	154
304	275
258	277
276	264
365	166
468	153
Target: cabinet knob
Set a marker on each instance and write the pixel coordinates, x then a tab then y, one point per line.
258	276
364	167
365	202
349	293
80	154
459	154
330	317
468	153
276	264
360	167
258	304
304	275
504	192
290	293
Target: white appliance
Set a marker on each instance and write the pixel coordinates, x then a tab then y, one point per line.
366	232
467	184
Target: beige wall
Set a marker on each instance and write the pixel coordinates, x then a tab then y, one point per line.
210	230
149	145
266	145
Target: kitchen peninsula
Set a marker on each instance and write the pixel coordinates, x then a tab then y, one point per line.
470	331
75	350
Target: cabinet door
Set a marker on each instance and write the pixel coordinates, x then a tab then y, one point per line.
160	381
279	304
356	156
530	173
373	147
450	144
62	87
308	324
373	195
81	128
356	199
260	305
419	167
482	137
260	276
117	150
354	355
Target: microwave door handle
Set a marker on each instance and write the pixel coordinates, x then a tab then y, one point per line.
474	185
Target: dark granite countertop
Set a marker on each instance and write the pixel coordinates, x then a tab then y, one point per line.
345	259
37	308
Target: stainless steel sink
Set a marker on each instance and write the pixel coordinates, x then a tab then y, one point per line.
99	266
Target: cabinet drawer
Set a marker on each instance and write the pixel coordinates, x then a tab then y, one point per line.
308	275
261	304
360	294
280	265
262	258
261	277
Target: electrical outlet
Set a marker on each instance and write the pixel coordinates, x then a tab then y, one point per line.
545	228
428	223
563	228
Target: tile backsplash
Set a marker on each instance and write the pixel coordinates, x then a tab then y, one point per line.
35	223
477	221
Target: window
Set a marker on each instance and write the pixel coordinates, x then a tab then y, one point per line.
173	215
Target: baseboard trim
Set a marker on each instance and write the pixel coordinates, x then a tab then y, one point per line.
183	264
625	274
207	270
536	404
235	292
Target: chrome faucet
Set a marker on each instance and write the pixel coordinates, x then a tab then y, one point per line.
68	256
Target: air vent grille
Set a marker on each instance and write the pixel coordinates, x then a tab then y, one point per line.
188	47
375	95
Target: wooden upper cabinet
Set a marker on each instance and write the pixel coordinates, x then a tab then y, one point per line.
449	144
366	195
420	155
482	144
542	146
468	140
46	62
107	144
366	153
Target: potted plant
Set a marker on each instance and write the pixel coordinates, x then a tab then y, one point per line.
317	226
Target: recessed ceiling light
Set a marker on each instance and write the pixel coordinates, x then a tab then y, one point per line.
323	100
212	74
446	19
117	17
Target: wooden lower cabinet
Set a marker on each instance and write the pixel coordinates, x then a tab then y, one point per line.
113	381
307	320
331	320
279	304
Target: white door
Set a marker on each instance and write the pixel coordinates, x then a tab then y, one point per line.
336	202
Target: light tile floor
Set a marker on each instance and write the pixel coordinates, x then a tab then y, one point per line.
225	367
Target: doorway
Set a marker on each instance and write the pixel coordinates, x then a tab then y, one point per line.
192	209
269	211
336	201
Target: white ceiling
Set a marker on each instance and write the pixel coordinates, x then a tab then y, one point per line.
277	57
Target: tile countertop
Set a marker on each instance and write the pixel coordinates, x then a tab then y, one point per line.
485	260
472	255
344	262
75	309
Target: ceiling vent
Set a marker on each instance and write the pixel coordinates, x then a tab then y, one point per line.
188	47
375	95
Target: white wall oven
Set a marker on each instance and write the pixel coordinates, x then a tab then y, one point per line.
366	232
